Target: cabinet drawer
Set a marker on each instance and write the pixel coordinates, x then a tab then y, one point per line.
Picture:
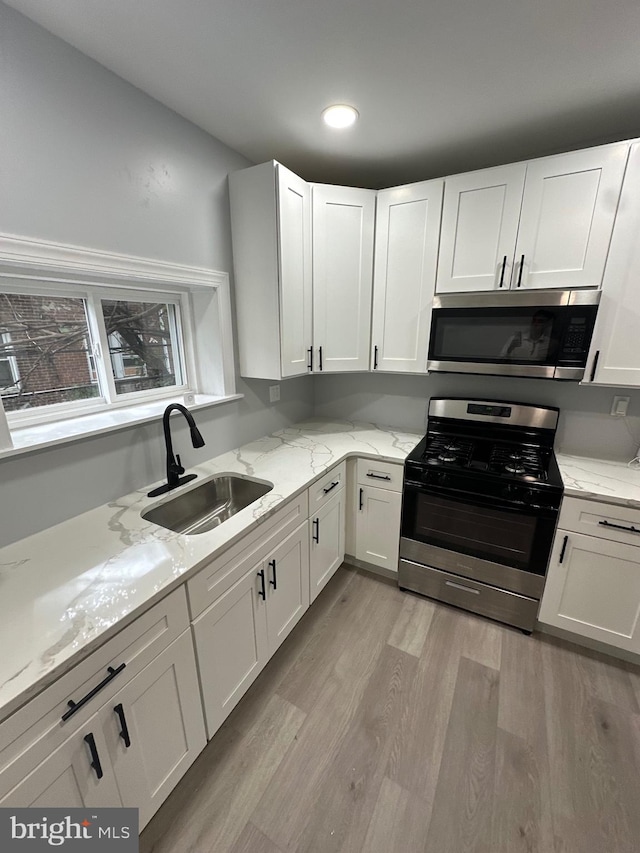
220	574
607	521
326	487
385	475
39	727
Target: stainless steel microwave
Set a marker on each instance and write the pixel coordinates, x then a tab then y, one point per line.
535	333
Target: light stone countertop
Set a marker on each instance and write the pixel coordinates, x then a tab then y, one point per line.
600	479
66	590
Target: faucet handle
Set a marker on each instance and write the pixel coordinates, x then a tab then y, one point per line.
179	469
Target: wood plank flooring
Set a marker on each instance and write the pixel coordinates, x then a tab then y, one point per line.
388	723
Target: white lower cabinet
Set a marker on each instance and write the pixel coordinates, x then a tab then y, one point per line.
132	751
67	779
378	527
327	542
238	633
154	728
593	582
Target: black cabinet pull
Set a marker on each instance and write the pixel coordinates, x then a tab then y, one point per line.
310	364
263	591
520	273
379	476
319	358
331	487
124	728
564	548
75	706
272	566
504	264
630	529
594	365
375	358
93	749
316	536
361	496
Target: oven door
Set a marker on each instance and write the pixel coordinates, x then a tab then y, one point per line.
484	538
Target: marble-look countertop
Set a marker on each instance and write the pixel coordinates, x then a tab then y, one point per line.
67	589
600	479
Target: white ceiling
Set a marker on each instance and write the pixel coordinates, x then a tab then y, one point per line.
441	85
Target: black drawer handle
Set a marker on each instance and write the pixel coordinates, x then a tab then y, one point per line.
375	358
124	728
361	497
564	548
310	364
521	269
630	529
316	536
331	487
75	706
93	749
263	591
319	358
272	566
379	476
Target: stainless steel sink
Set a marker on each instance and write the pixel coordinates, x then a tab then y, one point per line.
206	506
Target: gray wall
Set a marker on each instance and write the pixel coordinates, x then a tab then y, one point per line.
585	427
89	160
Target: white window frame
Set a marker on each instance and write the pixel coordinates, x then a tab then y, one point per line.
203	309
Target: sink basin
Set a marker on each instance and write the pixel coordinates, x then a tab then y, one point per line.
207	505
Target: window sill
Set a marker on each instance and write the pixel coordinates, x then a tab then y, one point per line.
28	439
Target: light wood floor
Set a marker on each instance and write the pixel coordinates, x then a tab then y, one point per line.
389	723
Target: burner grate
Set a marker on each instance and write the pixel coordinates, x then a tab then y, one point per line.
443	450
517	461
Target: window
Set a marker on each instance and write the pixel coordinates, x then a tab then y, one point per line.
109	336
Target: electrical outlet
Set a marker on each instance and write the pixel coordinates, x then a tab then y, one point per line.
274	393
619	406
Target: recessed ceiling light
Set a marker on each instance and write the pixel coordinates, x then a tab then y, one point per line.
340	115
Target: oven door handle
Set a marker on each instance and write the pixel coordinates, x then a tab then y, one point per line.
470	499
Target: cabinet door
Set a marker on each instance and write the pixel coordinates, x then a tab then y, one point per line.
155	729
407	232
378	527
594	590
66	778
479	228
343	220
231	646
287	572
294	235
327	543
615	338
568	210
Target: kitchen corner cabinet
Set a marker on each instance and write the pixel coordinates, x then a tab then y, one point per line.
236	635
406	253
542	224
271	233
593	582
342	227
377	527
614	358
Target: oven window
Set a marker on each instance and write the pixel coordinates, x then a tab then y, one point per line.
491	534
497	335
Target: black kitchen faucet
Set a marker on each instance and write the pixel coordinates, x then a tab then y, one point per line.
174	468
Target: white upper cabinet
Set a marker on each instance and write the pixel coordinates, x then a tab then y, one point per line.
343	220
479	229
271	229
615	353
406	252
542	224
568	209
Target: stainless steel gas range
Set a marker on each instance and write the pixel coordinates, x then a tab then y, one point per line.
481	496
